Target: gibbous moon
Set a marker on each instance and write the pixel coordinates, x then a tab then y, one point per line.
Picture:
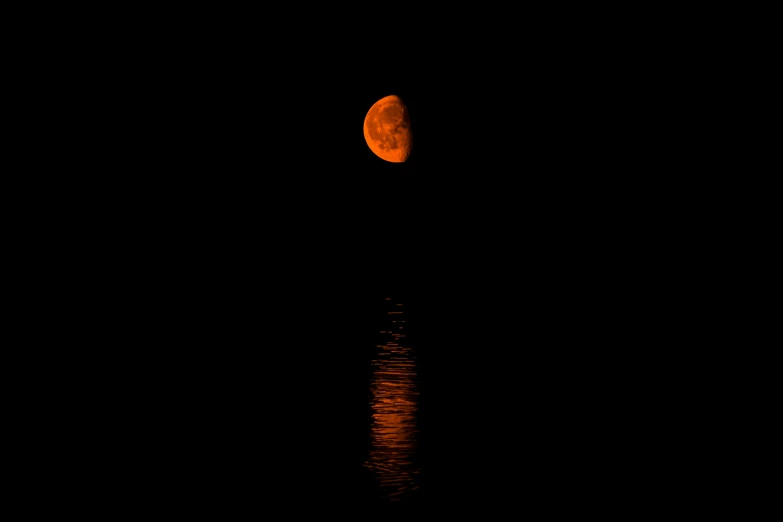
387	129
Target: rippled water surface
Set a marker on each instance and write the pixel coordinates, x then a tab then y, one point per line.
394	397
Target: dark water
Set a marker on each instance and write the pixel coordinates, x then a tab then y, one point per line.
365	406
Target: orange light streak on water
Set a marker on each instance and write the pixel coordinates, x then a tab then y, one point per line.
394	401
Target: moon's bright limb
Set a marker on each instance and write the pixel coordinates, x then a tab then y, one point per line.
387	129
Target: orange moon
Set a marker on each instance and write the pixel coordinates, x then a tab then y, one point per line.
387	129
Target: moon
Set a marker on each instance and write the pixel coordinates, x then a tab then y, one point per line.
387	129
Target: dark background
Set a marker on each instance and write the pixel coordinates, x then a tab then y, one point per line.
230	237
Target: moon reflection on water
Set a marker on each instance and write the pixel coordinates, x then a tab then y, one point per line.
394	402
